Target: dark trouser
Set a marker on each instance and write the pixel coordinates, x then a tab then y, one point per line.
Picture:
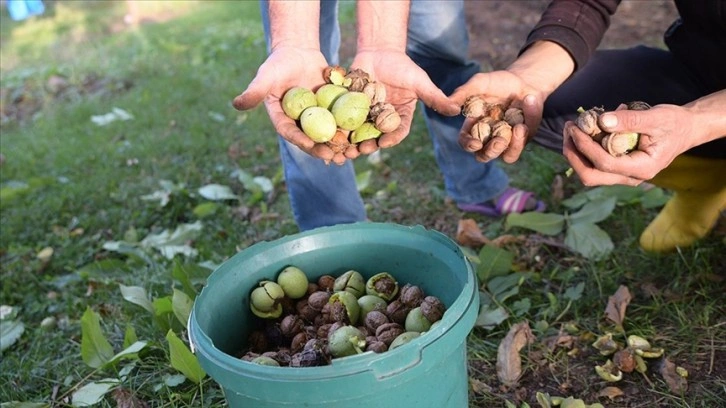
612	77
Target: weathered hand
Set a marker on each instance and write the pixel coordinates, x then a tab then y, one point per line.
510	90
405	84
287	67
666	131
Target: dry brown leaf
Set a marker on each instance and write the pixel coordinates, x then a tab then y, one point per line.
479	387
509	362
559	340
558	189
508	239
126	399
611	393
617	303
468	234
676	383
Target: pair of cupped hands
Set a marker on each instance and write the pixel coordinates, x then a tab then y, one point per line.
406	83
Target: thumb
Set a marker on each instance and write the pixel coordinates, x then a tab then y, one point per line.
434	98
252	96
626	120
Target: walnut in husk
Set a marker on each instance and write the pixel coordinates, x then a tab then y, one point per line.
617	143
587	121
335	75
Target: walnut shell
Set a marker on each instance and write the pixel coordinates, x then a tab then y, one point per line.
474	107
514	116
375	91
339	143
482	130
495	111
358	80
388	121
587	122
503	130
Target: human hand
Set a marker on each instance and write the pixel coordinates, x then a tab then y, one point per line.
405	84
284	68
666	131
508	89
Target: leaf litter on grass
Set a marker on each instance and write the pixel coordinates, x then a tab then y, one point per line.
624	353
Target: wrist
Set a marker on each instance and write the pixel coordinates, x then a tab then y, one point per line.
708	120
382	25
286	29
544	66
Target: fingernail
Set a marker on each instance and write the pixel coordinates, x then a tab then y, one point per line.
609	120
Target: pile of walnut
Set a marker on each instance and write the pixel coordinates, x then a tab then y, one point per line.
493	119
618	143
348	109
334	317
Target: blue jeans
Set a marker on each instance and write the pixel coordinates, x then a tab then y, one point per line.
438	42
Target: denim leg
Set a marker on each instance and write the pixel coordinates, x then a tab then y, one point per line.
438	42
319	194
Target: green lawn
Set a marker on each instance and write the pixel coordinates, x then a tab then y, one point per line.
78	199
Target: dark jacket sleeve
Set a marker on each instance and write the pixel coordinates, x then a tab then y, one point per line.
576	25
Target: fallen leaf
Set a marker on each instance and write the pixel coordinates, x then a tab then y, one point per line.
559	340
479	387
617	303
676	383
558	189
45	254
468	234
649	289
508	239
126	399
509	362
611	393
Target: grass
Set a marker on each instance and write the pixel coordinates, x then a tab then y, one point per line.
73	186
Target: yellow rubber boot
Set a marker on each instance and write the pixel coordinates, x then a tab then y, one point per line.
699	185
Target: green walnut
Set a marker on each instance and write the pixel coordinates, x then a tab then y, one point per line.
265	300
369	303
296	100
346	341
403	338
383	285
327	94
350	302
318	123
351	110
366	131
416	321
267	361
351	281
293	282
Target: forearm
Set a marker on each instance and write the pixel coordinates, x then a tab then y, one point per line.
710	116
544	65
291	22
382	25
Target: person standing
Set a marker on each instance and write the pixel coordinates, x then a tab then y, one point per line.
418	50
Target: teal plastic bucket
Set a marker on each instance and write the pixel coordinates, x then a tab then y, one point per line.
430	371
